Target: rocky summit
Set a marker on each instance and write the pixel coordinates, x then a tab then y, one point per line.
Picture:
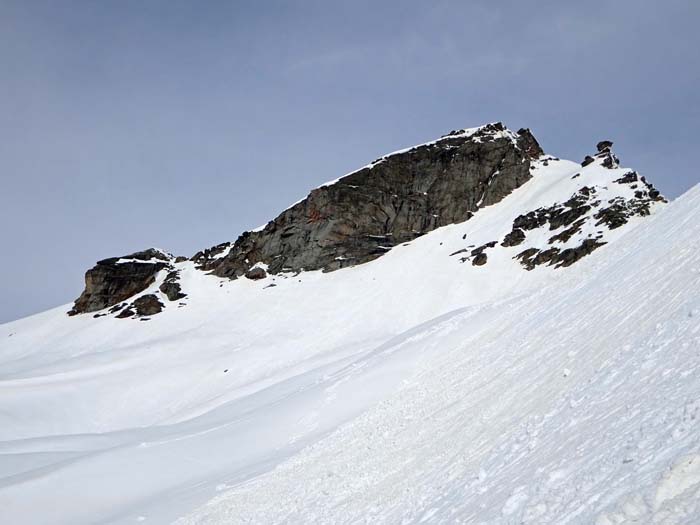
390	202
469	330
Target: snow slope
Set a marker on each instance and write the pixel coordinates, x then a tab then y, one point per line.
412	388
577	403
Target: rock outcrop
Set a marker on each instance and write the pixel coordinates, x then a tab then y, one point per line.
584	206
577	224
256	273
557	257
147	305
171	286
113	280
393	200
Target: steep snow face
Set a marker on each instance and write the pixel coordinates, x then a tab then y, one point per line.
414	387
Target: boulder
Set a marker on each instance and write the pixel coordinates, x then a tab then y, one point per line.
515	237
479	259
147	305
604	145
571	255
256	273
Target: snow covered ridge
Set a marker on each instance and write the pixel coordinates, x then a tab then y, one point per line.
397	199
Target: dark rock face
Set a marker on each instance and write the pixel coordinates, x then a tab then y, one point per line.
206	257
533	257
515	237
113	280
116	308
479	259
555	216
617	211
392	201
477	255
610	161
628	178
528	144
147	305
171	286
565	235
479	250
127	312
588	160
604	145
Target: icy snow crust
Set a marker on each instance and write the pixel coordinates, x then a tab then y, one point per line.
413	388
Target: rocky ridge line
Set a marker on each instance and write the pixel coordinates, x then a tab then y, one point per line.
393	200
351	221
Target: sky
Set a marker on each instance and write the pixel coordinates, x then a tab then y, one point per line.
130	124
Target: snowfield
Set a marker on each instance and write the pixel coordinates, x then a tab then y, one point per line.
411	389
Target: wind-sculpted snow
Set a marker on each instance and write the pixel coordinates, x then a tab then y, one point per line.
415	387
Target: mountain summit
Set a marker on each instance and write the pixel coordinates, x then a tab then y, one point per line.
392	201
469	330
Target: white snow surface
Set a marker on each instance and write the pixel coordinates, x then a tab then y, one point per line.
411	389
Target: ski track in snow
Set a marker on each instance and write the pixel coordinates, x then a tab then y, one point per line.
412	389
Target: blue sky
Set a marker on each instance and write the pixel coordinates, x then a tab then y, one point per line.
180	124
